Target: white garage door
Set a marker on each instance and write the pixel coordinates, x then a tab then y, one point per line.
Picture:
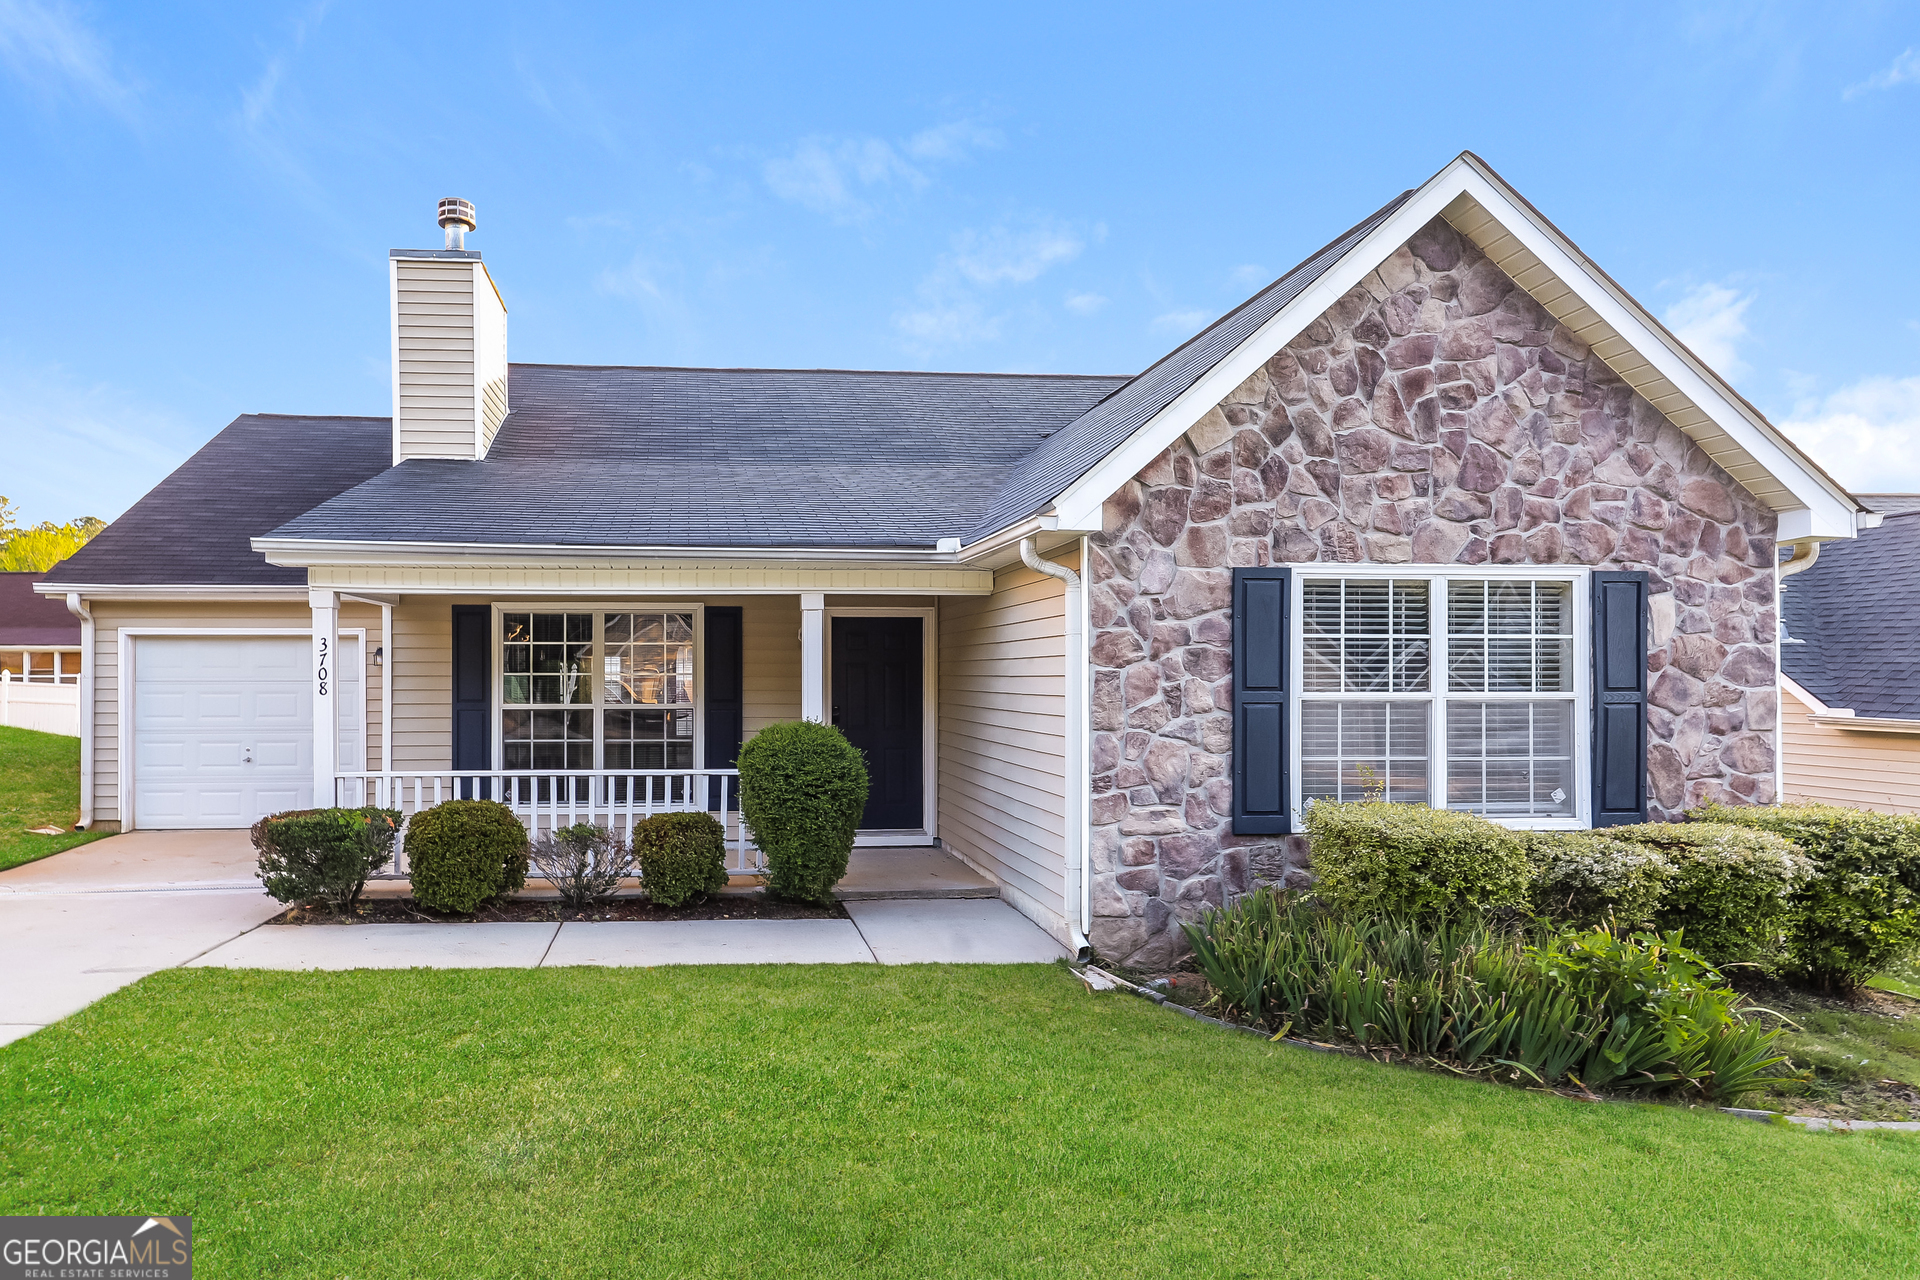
223	727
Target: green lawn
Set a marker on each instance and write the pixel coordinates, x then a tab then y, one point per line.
39	787
849	1120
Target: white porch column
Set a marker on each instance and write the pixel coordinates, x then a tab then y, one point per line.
813	657
326	725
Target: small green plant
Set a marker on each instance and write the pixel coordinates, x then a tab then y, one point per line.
584	862
323	855
463	853
803	787
683	857
1370	857
1861	911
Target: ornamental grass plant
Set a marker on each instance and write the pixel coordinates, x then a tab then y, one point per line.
1599	1008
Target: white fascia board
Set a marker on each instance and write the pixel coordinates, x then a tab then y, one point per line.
1800	693
308	552
167	591
1826	511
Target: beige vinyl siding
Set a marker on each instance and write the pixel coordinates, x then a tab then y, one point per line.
1847	766
110	616
489	354
1002	757
435	348
769	660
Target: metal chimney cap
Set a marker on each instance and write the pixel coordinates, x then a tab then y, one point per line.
455	210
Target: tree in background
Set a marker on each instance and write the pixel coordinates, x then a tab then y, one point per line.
38	549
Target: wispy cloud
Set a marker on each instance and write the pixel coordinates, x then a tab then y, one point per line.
265	123
952	307
843	177
1710	319
1248	276
1904	69
657	287
1866	434
94	446
1085	304
1181	322
51	49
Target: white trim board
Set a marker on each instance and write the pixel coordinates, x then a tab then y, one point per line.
1479	204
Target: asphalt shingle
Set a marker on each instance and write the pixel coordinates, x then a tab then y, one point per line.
1857	610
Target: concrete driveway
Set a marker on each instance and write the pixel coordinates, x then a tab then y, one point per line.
82	924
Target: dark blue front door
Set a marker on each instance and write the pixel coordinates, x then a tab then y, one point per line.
877	669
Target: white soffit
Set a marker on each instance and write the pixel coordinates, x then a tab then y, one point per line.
1484	209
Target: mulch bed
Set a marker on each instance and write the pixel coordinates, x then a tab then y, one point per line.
732	906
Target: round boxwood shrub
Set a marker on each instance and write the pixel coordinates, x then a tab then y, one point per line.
1861	909
1371	856
803	787
464	852
683	856
323	855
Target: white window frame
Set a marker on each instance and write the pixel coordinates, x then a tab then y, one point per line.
599	609
1578	578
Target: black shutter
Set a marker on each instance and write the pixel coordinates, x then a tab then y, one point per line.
722	699
1619	698
1262	784
472	688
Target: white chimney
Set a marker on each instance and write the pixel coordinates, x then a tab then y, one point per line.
449	346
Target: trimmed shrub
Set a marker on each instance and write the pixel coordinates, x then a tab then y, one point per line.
323	855
1371	857
584	862
1591	878
803	787
463	853
683	856
1862	910
1730	889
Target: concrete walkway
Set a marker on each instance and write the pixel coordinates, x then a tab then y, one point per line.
82	924
895	931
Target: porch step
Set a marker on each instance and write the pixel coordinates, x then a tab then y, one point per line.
876	874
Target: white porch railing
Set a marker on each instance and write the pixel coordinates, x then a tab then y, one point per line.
616	799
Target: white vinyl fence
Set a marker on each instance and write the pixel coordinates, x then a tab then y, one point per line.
50	708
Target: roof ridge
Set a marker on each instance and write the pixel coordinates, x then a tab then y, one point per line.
330	417
889	373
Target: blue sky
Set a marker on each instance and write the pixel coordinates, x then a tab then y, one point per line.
198	198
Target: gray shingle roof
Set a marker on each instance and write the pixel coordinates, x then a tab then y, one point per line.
1858	610
194	527
1075	450
625	456
28	619
1893	504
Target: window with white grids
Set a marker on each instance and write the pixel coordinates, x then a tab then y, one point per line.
612	689
1456	691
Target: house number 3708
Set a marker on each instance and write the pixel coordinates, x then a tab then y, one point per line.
326	653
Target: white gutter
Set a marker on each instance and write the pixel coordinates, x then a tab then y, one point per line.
1804	554
1075	847
77	606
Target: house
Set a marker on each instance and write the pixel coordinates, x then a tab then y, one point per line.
1441	510
1850	667
39	659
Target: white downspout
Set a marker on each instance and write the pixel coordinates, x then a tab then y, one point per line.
1077	784
1804	554
78	608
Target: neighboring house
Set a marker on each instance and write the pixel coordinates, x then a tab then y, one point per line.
39	659
1850	667
1441	510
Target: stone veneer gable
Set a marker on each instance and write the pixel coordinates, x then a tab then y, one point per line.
1434	415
